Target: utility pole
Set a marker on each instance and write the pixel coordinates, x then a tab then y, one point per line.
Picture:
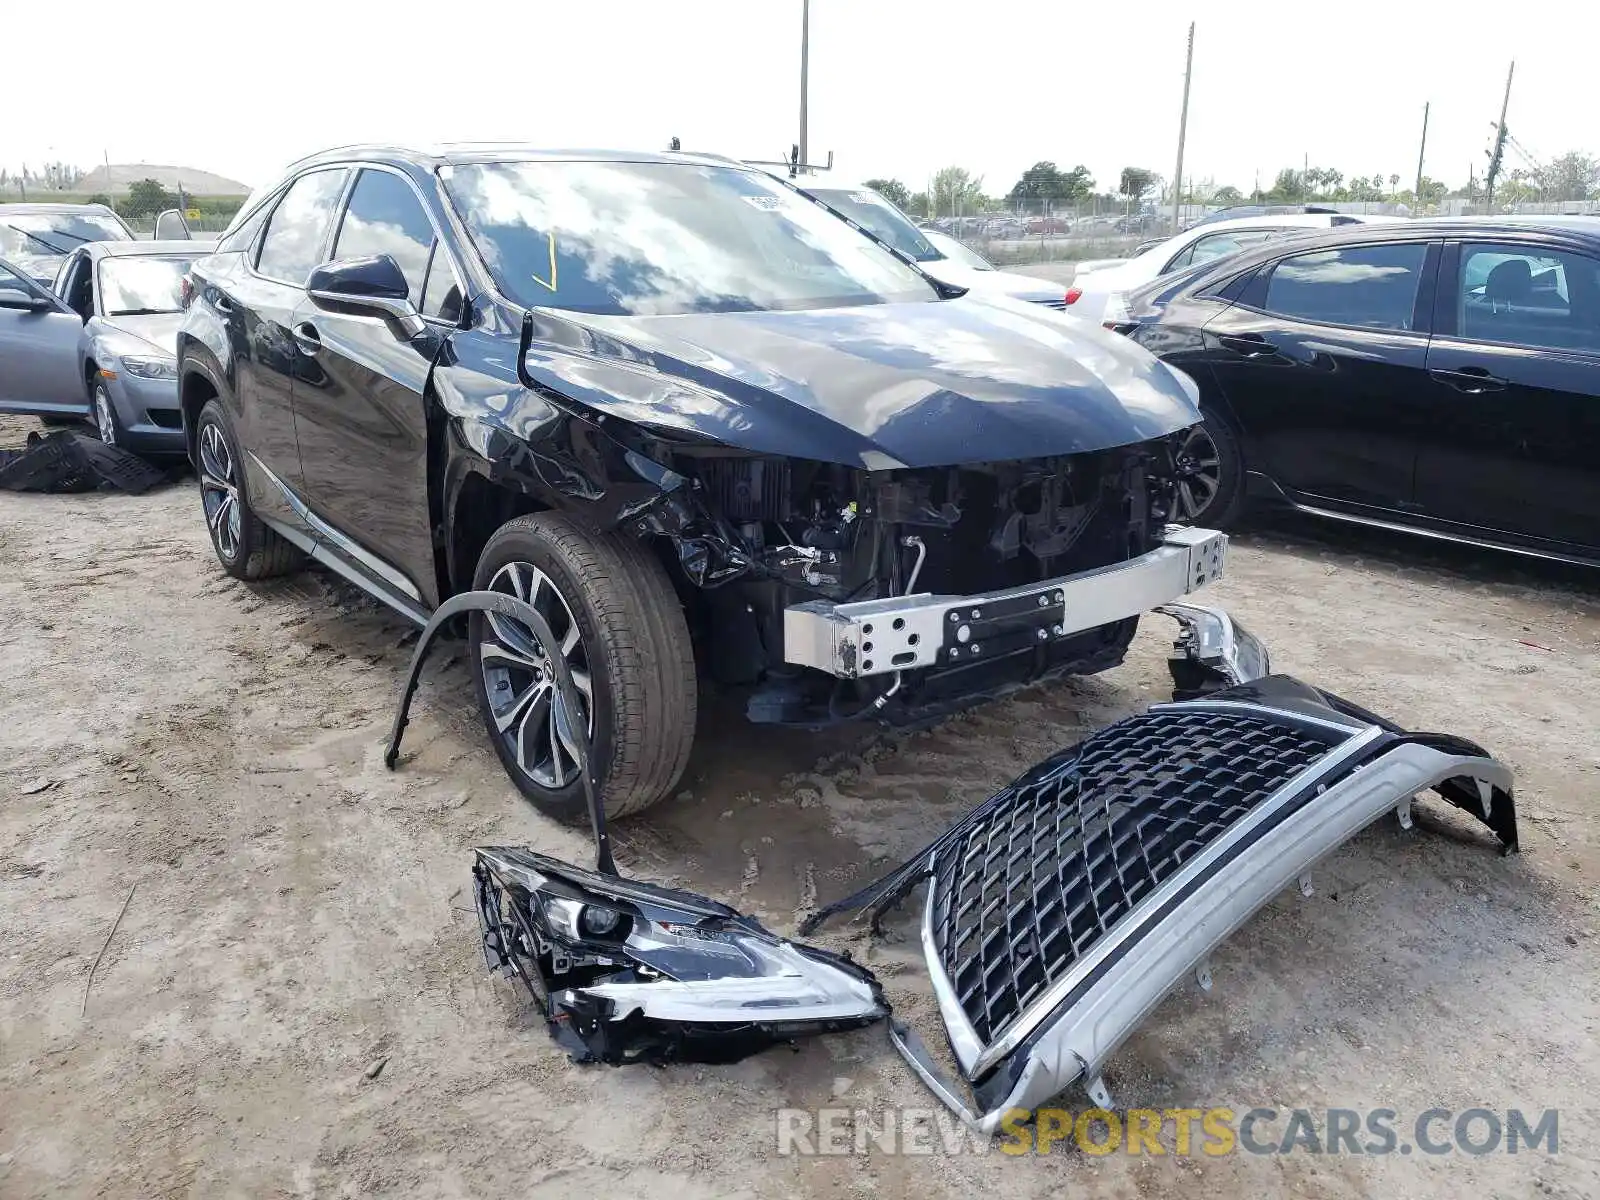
1422	150
1499	143
1183	129
805	72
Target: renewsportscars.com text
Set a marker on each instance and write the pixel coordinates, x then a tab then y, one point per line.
1181	1132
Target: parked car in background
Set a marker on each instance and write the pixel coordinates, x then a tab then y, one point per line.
692	417
1098	284
1048	226
869	210
36	237
1234	212
101	344
1002	228
1438	376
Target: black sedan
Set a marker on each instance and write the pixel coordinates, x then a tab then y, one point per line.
1442	377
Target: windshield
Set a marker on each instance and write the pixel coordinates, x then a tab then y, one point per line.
140	286
41	234
957	252
627	238
870	210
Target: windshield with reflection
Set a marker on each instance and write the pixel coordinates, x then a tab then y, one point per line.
55	233
958	252
626	238
866	208
134	287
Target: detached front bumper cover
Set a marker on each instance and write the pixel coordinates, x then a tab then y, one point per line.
1062	910
627	972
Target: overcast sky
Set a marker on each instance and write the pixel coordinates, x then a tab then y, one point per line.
898	88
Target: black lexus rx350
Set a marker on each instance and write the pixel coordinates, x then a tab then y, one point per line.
707	429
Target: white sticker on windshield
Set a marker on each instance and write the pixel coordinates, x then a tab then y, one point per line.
865	198
770	203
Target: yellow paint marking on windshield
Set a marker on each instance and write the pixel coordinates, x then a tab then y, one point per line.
551	282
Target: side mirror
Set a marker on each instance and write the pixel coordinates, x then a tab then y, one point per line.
24	302
368	286
171	227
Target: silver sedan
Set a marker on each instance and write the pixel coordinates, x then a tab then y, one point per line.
101	346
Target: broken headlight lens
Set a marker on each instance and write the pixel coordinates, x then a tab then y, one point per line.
625	970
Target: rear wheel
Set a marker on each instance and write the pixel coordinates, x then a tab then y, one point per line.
1210	474
245	546
621	631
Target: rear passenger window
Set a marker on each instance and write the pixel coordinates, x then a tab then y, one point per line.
385	217
298	227
1519	296
1370	287
243	236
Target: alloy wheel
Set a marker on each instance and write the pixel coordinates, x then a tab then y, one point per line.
519	678
219	491
103	417
1199	464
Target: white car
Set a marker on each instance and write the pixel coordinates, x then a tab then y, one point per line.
1100	288
942	257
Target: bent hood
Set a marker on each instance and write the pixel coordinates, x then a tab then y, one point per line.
878	386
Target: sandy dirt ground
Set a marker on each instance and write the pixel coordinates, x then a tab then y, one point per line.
299	914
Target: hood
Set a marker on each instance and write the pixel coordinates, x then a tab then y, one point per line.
933	383
159	331
1003	283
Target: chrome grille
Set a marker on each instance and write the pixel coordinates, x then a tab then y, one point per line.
1068	850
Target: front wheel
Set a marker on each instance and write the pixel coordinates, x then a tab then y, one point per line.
106	421
623	636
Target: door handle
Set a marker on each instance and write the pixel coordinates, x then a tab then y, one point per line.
306	337
1251	345
1474	381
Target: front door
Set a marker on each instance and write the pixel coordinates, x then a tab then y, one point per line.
38	350
1322	361
1515	380
360	413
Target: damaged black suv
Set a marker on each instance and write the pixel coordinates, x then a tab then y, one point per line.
706	428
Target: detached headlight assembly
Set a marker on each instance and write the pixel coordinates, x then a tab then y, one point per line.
146	367
625	971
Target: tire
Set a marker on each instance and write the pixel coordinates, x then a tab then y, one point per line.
1210	474
246	548
633	650
106	422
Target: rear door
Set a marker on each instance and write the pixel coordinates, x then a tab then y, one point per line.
360	416
260	302
1323	363
38	349
1514	373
